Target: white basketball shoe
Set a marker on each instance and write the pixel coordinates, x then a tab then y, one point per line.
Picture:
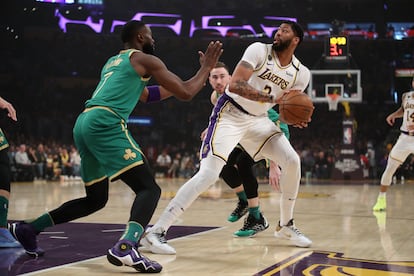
154	240
290	232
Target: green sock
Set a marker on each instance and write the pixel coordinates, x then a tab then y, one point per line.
255	211
4	209
42	222
133	231
242	196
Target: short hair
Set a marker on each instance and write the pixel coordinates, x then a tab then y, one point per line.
297	29
130	29
221	64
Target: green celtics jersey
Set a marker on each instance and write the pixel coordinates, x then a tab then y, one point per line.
120	86
274	117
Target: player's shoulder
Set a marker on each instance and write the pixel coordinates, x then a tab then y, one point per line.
300	66
259	46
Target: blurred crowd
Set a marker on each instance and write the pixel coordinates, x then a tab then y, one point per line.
47	75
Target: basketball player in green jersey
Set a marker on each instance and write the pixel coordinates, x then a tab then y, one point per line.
107	149
6	239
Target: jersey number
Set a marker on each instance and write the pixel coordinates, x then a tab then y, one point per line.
98	89
410	117
267	89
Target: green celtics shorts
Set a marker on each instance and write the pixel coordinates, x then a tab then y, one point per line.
105	145
3	141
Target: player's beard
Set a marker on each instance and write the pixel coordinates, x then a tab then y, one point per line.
148	48
283	45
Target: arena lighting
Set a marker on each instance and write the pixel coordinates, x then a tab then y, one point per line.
205	20
97	27
176	27
140	120
177	23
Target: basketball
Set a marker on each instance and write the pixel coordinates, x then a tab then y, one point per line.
295	107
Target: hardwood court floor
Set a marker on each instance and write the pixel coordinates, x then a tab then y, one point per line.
336	215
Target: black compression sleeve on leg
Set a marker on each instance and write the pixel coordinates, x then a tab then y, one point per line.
231	176
96	198
142	182
234	156
5	173
245	164
229	172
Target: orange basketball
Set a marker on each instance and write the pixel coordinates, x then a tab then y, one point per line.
295	107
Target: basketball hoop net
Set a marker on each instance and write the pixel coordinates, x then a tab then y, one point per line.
333	100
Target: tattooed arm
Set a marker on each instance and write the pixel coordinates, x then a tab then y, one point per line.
240	86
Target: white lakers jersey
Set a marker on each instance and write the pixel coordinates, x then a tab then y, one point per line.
270	77
408	106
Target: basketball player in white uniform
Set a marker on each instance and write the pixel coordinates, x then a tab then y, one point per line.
264	74
403	147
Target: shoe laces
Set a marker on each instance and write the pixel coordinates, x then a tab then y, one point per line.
161	237
296	230
292	227
249	221
240	206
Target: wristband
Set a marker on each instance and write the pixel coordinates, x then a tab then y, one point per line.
154	94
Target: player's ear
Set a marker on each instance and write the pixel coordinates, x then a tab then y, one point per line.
296	39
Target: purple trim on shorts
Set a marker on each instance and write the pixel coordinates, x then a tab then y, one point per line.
221	102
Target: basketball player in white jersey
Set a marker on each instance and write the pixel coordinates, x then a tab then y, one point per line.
264	74
403	147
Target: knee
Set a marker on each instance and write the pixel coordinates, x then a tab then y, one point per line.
156	192
97	203
292	161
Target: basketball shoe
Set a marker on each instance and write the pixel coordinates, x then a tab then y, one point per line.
239	212
155	241
381	204
7	240
27	236
125	252
252	226
290	232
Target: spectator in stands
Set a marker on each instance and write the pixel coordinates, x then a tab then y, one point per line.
174	169
24	164
372	160
41	156
75	161
163	163
321	166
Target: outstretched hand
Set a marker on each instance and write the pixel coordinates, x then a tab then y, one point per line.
11	112
212	54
